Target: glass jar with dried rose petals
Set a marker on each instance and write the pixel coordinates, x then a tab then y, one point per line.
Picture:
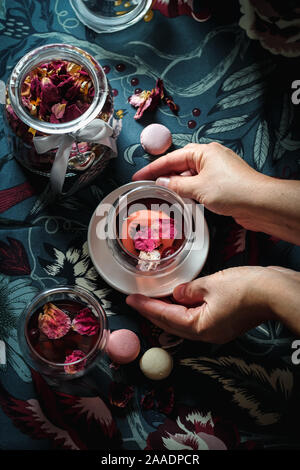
63	332
59	111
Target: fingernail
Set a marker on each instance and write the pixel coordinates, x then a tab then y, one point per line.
179	292
163	181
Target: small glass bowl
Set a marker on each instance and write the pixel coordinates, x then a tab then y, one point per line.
108	16
69	370
131	262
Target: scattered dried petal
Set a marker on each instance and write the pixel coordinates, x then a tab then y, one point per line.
120	394
85	323
76	355
151	99
54	323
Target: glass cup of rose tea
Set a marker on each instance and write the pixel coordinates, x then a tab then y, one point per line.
62	332
150	230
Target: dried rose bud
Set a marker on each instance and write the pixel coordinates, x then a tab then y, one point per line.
146	239
85	323
58	110
54	323
76	355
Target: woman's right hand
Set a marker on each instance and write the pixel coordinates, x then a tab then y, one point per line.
224	183
210	173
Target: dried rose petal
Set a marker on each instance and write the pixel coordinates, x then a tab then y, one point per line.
58	91
71	112
151	99
76	355
54	323
147	99
35	88
73	92
58	110
173	107
85	323
146	239
49	92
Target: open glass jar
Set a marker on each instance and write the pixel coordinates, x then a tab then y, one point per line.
62	332
46	80
149	230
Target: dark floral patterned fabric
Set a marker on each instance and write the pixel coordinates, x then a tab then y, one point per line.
229	89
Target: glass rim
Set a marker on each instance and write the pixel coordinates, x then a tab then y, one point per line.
65	288
49	52
145	187
99	22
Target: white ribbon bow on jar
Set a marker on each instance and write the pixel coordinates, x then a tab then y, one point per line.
97	131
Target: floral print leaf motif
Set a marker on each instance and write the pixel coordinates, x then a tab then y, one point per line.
286	119
76	267
180	140
192	429
226	124
14	296
28	416
11	196
261	145
262	393
13	258
129	152
247	75
240	97
70	422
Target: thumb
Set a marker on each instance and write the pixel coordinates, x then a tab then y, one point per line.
191	293
184	186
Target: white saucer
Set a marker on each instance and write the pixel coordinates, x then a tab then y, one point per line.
121	279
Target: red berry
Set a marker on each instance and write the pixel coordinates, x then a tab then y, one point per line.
106	69
196	112
137	91
115	92
120	67
192	124
134	81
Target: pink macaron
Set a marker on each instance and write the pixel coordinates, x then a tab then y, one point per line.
123	346
156	139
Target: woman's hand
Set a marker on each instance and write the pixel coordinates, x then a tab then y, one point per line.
215	308
209	173
220	307
218	178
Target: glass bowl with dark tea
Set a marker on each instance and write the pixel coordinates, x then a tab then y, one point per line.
149	230
63	332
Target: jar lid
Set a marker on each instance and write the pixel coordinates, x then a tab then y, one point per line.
108	16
